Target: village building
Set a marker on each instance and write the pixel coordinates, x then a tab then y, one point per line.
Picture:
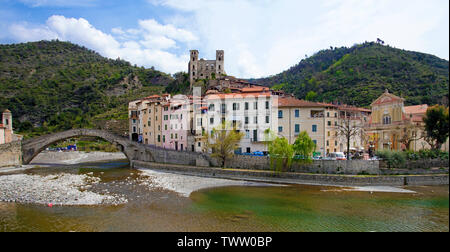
251	111
392	124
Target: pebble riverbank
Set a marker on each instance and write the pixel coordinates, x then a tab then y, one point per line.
58	189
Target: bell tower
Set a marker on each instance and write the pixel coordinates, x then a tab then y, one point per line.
7	120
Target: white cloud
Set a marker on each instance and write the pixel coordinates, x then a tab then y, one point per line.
139	46
262	38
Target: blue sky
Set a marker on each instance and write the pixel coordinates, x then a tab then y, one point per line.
260	37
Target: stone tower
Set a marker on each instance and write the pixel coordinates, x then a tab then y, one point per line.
219	62
193	67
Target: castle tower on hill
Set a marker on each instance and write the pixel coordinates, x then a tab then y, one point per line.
205	69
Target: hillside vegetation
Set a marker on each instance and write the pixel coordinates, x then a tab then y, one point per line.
360	74
53	86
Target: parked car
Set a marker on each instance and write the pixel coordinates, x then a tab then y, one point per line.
258	153
317	158
336	156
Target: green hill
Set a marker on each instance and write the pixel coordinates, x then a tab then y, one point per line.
360	74
52	85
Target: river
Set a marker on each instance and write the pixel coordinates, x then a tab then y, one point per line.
113	197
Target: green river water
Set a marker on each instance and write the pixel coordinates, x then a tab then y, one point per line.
236	208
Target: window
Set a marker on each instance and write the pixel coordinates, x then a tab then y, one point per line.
335	114
199	144
247	134
211	107
387	119
267	105
280	129
165	127
315	142
159	138
297	113
164	139
223	108
267	119
211	120
328	143
328	114
235	106
314	128
255	105
297	128
134	129
280	113
246	106
176	135
166	117
149	123
246	120
248	150
255	120
171	136
134	120
329	123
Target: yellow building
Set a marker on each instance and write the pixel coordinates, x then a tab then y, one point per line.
394	126
295	116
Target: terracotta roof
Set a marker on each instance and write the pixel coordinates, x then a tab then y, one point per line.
254	89
418	109
7	111
153	97
1	126
235	95
387	98
293	102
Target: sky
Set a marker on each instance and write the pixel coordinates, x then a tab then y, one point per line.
260	37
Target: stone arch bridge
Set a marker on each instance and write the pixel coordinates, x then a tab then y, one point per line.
132	150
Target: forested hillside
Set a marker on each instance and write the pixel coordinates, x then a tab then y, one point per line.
54	85
360	74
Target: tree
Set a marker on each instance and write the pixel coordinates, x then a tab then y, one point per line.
222	142
349	129
281	153
311	96
409	134
436	126
304	146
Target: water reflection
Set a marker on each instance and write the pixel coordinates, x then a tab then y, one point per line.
290	208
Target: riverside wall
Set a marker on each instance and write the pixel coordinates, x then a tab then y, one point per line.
298	178
351	167
11	154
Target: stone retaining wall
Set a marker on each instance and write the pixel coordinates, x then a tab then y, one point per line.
351	167
298	178
11	154
420	164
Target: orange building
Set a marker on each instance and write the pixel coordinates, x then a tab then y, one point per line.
394	126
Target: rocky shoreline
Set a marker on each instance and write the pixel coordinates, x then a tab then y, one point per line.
75	157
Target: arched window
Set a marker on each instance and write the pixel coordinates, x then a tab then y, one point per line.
387	120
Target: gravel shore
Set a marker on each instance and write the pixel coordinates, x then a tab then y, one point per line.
184	185
59	189
75	157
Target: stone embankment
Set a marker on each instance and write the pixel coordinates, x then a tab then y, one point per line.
299	178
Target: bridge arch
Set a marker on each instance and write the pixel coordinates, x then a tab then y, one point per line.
32	147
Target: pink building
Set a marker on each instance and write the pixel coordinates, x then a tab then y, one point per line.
175	124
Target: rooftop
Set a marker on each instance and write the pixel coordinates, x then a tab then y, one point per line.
293	102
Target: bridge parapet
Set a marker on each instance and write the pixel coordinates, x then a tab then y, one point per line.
133	150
